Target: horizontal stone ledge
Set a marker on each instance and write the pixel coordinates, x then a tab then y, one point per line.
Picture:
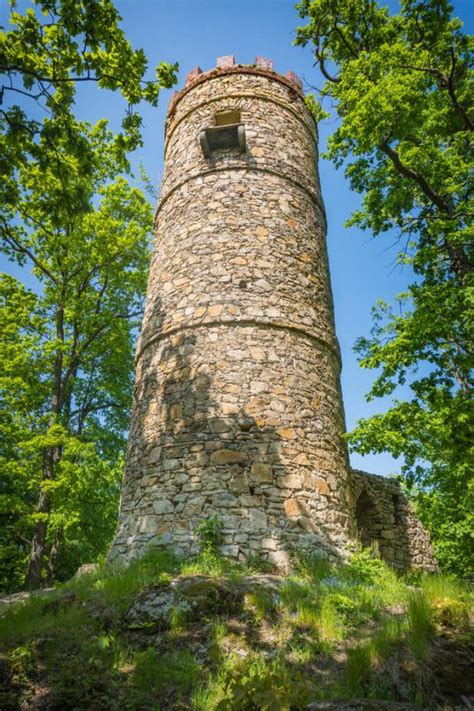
314	197
242	323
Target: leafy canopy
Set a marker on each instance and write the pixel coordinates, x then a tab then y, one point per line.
50	49
401	86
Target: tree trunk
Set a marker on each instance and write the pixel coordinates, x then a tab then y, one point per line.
35	563
53	556
51	457
38	542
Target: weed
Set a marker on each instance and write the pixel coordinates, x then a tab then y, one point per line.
364	566
329	624
366	657
82	672
208	563
295	592
256	564
302	650
451	602
260	604
209	695
20	620
218	633
169	676
359	662
312	567
209	533
117	586
177	620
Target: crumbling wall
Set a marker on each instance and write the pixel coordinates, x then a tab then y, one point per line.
385	517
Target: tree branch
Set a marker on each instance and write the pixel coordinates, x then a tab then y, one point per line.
407	172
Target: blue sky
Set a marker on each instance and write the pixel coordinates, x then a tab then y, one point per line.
195	32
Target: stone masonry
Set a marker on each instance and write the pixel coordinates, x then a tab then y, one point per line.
384	517
237	408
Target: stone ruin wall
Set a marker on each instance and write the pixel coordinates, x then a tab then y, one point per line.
237	406
384	517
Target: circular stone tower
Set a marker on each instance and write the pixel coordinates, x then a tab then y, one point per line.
237	409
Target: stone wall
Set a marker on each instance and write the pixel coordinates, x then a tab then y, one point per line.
385	518
238	409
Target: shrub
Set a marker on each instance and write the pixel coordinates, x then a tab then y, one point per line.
366	567
254	683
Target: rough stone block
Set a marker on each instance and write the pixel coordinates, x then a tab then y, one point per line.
258	518
228	456
281	559
322	486
291	481
225	62
262	472
163	507
263	63
229	550
270	544
149	524
294	78
219	425
168	464
193	74
286	432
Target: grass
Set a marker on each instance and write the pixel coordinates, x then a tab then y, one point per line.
367	657
252	646
420	623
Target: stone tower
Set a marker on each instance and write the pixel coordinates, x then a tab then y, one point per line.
237	409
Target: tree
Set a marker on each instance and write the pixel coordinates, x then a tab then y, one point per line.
67	370
401	86
71	215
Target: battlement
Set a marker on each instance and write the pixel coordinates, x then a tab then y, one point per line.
227	65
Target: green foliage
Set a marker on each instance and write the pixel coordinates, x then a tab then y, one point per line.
364	566
401	85
255	683
67	359
366	657
209	533
116	586
154	674
260	604
46	52
312	567
81	672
